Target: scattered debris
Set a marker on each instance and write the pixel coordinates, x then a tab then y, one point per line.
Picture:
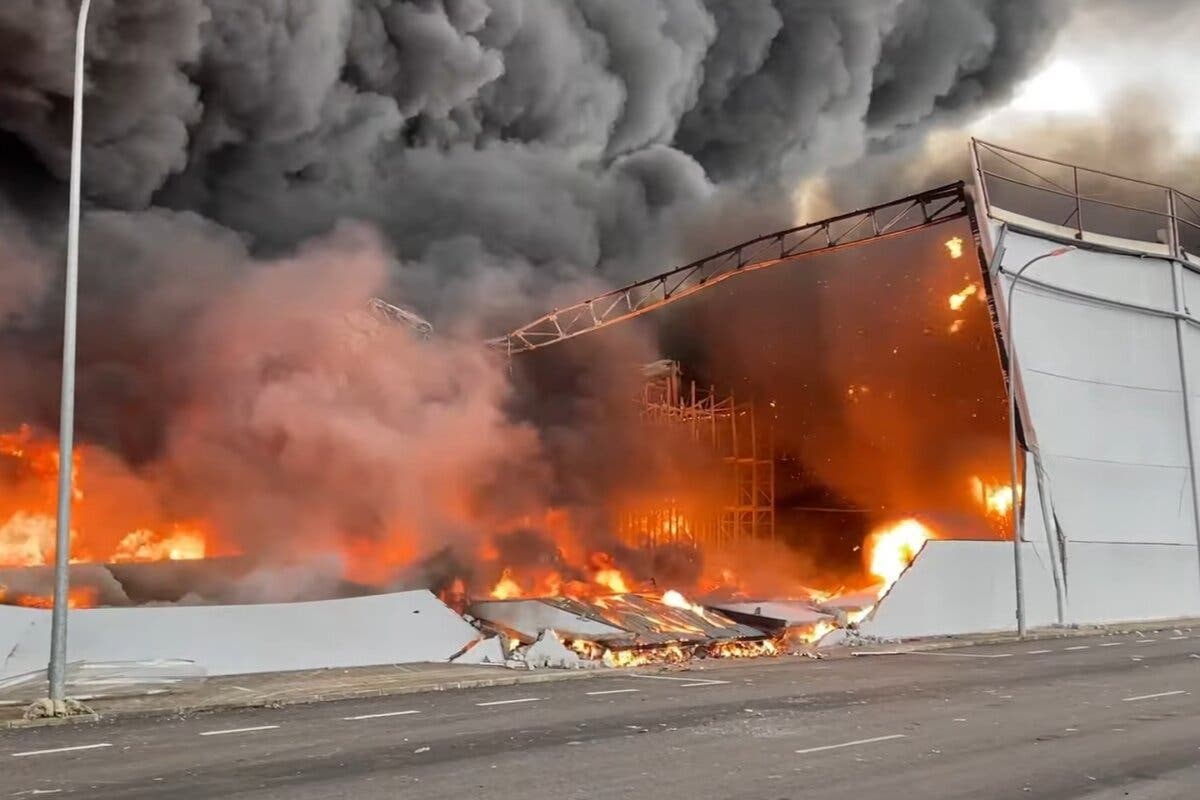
484	651
549	651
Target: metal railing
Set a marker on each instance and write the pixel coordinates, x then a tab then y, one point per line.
1087	201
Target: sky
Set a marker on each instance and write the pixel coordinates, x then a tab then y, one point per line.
1149	46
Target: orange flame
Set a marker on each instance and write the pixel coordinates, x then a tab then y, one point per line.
80	597
996	498
146	545
891	549
506	588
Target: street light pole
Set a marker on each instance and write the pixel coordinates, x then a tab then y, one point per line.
1010	350
66	423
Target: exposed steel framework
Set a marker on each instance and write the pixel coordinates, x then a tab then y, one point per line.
884	221
730	429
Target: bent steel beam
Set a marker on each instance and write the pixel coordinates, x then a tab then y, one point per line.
895	218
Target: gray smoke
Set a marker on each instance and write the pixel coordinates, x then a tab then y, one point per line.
512	155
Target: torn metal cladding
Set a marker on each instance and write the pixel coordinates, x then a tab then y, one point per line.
618	622
894	218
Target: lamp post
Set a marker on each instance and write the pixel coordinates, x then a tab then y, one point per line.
66	423
1010	350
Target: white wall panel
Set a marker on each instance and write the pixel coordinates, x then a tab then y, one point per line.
1106	423
1121	582
1090	342
1111	502
1129	279
957	587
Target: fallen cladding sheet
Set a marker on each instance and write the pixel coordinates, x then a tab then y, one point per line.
627	620
774	616
403	627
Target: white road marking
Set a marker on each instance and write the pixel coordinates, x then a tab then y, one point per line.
379	716
612	691
851	744
240	730
1154	696
686	681
702	683
1146	641
965	655
1111	644
1078	647
62	749
1178	638
509	702
1038	652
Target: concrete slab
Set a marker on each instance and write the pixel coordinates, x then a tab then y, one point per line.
398	628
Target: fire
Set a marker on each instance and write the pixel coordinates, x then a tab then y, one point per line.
506	588
955	247
28	522
960	298
996	498
27	540
80	597
891	549
146	545
612	579
674	653
674	599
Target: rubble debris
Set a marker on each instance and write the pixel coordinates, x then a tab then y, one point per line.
484	651
550	652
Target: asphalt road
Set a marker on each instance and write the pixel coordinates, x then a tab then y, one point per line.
1107	717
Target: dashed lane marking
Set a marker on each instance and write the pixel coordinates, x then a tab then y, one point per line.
685	681
255	729
381	715
509	702
963	655
62	749
855	743
1038	652
1110	644
1146	641
1153	696
1078	647
1178	638
612	691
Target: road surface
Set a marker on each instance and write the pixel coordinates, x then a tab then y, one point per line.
1098	718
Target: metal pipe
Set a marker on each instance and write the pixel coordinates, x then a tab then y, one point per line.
1188	426
66	423
1012	433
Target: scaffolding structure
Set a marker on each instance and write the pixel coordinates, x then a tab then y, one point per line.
730	430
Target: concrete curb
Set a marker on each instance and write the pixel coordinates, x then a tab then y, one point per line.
1038	635
185	709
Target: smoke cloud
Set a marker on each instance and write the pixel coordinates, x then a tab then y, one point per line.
255	171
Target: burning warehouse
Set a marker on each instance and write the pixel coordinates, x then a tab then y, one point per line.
721	477
752	447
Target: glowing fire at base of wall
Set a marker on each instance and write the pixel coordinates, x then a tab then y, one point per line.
674	653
